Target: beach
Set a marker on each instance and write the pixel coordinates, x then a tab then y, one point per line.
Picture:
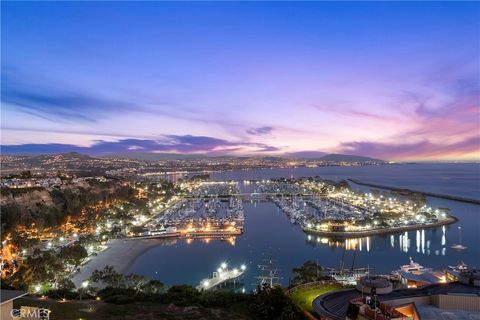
121	254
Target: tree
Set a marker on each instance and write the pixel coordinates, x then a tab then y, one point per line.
136	282
109	277
153	287
73	255
308	272
273	303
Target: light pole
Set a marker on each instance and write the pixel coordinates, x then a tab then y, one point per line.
84	287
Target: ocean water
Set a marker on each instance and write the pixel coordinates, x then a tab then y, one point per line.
270	235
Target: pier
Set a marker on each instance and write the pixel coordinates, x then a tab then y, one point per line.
192	233
221	276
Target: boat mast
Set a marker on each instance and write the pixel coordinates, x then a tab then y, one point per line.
354	256
342	261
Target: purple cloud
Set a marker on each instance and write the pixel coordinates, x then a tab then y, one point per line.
50	102
187	144
260	131
425	149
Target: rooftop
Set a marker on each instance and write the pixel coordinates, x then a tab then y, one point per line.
428	312
334	305
7	295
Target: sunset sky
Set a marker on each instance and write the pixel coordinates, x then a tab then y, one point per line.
397	81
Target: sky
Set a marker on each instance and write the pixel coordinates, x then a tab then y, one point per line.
391	80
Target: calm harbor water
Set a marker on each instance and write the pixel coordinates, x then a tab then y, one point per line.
269	234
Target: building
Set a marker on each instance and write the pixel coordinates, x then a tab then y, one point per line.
7	297
374	298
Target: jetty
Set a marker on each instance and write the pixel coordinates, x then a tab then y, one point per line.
426	193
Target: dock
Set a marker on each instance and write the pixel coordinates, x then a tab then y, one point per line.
221	276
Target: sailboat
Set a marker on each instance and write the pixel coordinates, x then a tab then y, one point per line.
459	246
348	277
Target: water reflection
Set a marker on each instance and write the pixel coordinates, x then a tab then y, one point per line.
422	240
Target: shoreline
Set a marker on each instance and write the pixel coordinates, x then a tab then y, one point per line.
120	254
346	234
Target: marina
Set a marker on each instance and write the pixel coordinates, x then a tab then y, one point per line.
331	209
268	231
212	210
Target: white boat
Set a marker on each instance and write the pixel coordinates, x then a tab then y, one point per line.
414	267
461	267
349	277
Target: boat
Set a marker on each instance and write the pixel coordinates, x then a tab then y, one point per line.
349	277
414	267
459	245
461	267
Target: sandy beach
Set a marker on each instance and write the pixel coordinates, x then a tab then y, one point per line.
120	254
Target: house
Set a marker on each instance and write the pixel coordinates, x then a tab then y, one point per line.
7	297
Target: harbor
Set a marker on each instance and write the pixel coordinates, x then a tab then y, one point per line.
328	209
212	210
268	230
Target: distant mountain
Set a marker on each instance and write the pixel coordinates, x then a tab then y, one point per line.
305	154
70	156
348	158
146	156
149	156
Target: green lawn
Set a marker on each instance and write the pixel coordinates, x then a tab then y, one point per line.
304	297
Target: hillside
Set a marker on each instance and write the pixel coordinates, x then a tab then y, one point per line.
348	158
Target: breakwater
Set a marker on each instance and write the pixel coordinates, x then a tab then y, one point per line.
426	193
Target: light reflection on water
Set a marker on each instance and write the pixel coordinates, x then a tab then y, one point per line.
402	242
269	233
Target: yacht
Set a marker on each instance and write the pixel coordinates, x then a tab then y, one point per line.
414	267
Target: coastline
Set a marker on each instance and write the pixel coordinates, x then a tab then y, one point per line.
345	234
120	254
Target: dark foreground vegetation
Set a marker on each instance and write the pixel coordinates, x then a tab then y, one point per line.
112	295
178	302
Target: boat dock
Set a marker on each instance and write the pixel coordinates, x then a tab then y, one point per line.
221	276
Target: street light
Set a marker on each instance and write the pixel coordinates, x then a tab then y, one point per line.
84	287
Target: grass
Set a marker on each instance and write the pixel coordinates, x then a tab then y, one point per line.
304	297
